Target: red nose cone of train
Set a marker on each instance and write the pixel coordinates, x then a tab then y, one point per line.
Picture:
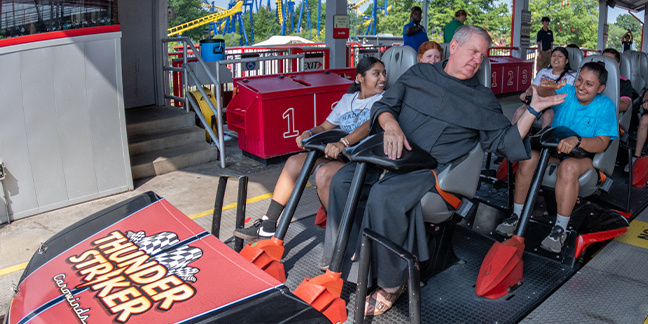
502	268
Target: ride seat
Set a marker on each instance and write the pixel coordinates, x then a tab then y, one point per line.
605	161
446	50
397	60
575	56
634	66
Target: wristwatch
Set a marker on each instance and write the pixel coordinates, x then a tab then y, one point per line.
579	141
534	112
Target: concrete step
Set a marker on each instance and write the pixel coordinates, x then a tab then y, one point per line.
157	119
144	143
171	159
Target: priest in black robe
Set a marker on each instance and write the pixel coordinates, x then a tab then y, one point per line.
445	110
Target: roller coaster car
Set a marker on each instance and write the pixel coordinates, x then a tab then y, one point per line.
590	223
143	261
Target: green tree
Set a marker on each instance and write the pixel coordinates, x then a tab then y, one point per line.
185	11
615	33
572	21
493	15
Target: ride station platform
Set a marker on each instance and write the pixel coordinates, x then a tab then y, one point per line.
607	289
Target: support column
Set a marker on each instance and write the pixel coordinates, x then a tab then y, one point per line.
337	46
602	22
519	6
426	7
644	45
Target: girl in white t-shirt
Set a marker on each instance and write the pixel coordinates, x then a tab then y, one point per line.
351	114
559	71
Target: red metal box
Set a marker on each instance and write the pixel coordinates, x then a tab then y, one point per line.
510	74
269	112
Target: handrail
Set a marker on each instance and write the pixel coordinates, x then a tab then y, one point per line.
217	111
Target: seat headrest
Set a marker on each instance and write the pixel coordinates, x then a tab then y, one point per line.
633	66
446	50
397	60
575	57
612	88
484	72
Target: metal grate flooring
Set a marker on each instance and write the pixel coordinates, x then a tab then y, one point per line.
448	297
611	288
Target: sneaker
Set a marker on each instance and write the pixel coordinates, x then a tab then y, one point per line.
323	263
627	167
554	242
508	226
254	232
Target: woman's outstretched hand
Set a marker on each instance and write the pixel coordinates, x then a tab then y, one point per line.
542	103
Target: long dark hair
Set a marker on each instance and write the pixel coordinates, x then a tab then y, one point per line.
567	66
363	66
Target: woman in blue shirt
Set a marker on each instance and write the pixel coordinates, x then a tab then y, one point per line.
592	116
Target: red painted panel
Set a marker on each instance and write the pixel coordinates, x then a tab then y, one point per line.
59	34
175	280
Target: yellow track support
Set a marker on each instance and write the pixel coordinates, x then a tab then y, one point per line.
280	11
177	30
205	110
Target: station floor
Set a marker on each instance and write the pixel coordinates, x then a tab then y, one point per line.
192	191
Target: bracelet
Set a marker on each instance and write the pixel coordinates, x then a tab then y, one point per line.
344	142
534	112
310	131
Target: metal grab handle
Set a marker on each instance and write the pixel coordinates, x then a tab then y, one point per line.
413	280
240	207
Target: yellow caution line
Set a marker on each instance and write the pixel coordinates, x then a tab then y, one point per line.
233	205
22	266
11	269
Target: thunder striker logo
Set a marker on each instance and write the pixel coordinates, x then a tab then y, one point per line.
132	273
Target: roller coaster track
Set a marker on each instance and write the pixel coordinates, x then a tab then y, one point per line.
356	4
177	30
208	6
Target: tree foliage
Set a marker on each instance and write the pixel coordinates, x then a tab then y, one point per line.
494	16
185	11
620	27
572	21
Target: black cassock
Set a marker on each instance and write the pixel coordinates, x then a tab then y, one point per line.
443	115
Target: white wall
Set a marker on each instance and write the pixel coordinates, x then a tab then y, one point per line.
62	125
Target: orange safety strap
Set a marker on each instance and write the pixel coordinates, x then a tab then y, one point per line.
448	197
602	176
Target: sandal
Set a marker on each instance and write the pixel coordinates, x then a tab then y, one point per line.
382	307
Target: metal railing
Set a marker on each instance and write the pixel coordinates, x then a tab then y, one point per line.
217	111
189	72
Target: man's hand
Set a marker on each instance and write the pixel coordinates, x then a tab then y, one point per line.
566	145
303	136
542	103
332	150
394	140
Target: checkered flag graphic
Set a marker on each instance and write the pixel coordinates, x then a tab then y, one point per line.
176	260
154	243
